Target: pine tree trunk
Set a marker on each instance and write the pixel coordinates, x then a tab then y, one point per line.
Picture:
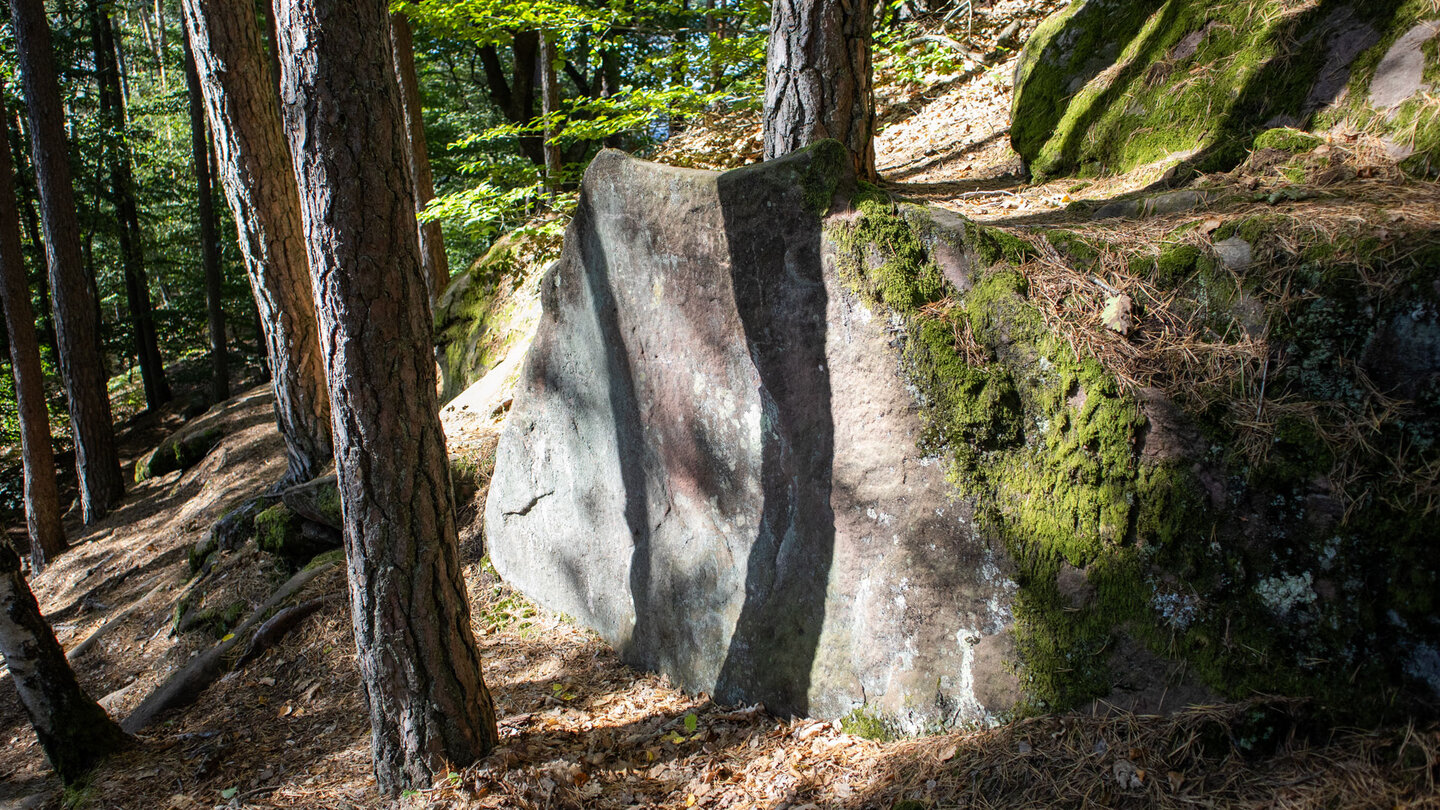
77	326
549	108
255	169
209	241
432	243
818	79
73	730
122	197
42	492
25	197
418	659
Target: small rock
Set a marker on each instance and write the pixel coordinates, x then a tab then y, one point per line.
1128	775
1235	253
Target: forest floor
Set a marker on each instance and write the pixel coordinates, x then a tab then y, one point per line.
578	727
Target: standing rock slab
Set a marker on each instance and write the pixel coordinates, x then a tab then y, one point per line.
711	460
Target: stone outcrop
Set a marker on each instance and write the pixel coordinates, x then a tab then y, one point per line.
1112	85
179	451
793	442
487	310
712	460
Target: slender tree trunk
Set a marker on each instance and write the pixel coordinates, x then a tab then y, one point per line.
679	75
418	659
160	44
550	107
122	197
259	182
25	197
818	79
432	243
209	242
42	492
76	315
73	730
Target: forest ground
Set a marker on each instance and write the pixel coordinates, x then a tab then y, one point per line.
578	727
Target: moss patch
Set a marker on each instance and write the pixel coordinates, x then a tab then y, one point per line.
1241	559
178	452
1106	87
1286	139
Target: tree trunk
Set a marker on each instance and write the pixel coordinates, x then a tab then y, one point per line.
419	662
255	169
209	241
122	197
432	243
25	195
74	731
818	79
42	492
77	325
549	108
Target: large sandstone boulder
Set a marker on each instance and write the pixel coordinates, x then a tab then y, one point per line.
712	460
1112	85
887	456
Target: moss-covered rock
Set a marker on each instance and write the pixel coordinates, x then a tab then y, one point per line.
1287	139
317	500
180	451
291	537
1106	86
489	308
1257	549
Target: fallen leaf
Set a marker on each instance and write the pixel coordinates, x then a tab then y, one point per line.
1116	316
1209	226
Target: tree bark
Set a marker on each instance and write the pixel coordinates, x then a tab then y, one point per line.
25	195
77	326
432	243
254	165
122	197
549	108
418	659
209	241
74	731
818	79
42	491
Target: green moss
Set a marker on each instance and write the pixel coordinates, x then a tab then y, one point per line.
885	261
972	410
821	177
179	452
1107	88
1072	246
277	529
1287	139
336	555
863	723
328	502
994	245
1201	558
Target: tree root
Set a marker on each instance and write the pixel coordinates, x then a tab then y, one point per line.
258	634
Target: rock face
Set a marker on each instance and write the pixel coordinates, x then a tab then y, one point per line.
487	310
712	461
1111	85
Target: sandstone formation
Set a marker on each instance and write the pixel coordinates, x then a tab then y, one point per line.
712	460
